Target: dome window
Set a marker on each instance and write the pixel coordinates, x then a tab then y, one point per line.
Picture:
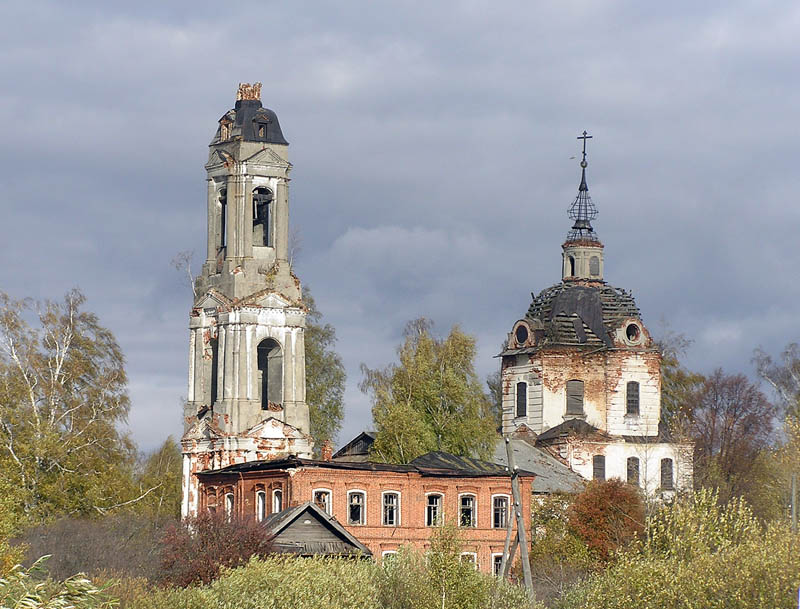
521	334
633	333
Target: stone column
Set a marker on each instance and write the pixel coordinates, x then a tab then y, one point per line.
247	219
212	223
282	220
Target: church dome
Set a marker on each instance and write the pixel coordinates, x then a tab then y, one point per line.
571	313
249	121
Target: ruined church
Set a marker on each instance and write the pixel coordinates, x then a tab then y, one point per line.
580	374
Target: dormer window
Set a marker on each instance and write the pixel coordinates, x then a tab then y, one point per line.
262	131
224	130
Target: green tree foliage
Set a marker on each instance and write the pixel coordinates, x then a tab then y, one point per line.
159	482
431	400
325	376
678	383
607	516
701	553
63	394
494	384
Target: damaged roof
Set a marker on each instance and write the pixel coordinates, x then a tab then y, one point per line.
552	476
575	313
251	122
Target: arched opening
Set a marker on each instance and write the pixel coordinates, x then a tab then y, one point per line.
571	266
214	369
270	373
262	215
522	399
223	218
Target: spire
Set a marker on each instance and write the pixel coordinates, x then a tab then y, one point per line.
582	210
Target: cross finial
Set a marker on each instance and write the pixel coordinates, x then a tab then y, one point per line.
584	137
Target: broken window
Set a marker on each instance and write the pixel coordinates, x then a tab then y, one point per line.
277	500
667	480
224	130
470	558
323	500
433	511
222	240
261	505
599	467
270	373
262	213
228	505
499	512
575	397
632	398
632	332
594	266
355	507
262	131
633	471
497	564
467	516
521	334
522	399
214	369
391	503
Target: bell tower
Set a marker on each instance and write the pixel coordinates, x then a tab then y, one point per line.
246	394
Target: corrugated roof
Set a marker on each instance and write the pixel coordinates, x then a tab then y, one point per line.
552	476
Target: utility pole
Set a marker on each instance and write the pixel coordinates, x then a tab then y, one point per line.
521	540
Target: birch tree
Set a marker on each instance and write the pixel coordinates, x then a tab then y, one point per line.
63	394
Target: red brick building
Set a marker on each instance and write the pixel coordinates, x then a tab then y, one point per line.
383	506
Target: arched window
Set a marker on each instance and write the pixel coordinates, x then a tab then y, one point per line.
594	266
433	510
633	471
356	507
262	214
599	467
214	369
270	373
229	505
468	516
522	399
211	500
277	500
667	478
222	240
261	505
391	509
632	398
571	266
575	397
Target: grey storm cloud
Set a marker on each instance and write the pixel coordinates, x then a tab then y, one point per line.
432	147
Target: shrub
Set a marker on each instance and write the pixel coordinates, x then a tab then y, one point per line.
607	516
194	550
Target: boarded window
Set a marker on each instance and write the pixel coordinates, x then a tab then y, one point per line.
594	266
575	397
467	511
632	398
391	502
433	511
355	508
599	467
499	512
633	471
522	399
667	478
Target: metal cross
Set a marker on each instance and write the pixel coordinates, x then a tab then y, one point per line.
584	137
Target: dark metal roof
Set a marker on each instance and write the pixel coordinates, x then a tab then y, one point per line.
434	464
570	427
581	314
247	118
356	449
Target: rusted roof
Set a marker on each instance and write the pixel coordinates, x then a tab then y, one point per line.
552	476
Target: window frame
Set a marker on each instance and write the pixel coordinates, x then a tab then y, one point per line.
397	494
636	409
328	509
277	493
507	511
596	459
638	461
567	410
261	505
474	520
363	519
440	509
524	402
229	503
671	485
471	557
496	565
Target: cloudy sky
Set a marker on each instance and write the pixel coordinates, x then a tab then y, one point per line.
432	147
